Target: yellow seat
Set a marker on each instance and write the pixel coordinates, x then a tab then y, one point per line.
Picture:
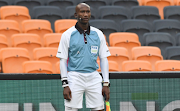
136	65
167	65
64	24
37	67
12	59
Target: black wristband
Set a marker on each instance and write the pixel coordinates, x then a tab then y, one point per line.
64	82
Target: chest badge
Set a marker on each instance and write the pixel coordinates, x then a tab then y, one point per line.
94	50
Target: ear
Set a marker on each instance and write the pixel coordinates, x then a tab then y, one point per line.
75	15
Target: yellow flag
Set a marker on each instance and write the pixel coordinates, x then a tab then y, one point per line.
108	106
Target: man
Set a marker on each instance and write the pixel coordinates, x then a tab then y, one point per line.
82	44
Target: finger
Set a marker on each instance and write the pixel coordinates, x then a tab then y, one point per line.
70	94
103	93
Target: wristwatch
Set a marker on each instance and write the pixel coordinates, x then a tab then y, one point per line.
106	84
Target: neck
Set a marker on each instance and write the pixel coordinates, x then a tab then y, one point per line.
83	26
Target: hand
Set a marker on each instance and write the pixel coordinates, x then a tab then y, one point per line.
106	91
67	93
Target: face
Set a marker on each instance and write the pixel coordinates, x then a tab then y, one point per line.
84	13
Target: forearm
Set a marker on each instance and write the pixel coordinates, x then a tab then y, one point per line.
63	68
104	68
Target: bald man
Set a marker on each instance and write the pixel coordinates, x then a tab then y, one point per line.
82	44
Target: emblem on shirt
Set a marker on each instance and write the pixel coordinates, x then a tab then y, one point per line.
94	50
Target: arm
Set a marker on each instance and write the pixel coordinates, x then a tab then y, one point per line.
67	91
105	73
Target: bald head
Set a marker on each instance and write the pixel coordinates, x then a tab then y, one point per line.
81	5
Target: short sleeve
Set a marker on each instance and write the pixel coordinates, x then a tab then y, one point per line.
103	50
63	47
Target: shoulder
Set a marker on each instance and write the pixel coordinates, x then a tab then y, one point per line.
99	32
67	34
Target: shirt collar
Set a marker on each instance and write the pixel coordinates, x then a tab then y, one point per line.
81	30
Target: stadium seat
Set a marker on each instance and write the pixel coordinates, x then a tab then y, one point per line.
26	40
125	3
159	39
58	71
173	53
95	4
136	26
136	65
147	53
168	25
29	4
177	38
113	66
6	2
124	39
119	55
177	2
52	40
106	26
8	28
50	13
64	24
172	12
3	41
47	54
37	26
148	13
70	10
167	65
141	2
17	13
115	13
160	4
62	4
37	67
12	59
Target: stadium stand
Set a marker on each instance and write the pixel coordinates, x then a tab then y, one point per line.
177	2
3	41
136	65
28	41
8	28
136	26
29	4
159	39
106	26
6	2
173	53
147	53
125	3
37	26
148	13
95	4
62	4
70	10
63	24
160	4
124	39
115	13
167	65
17	13
113	66
46	54
50	13
119	55
37	67
167	25
12	59
52	39
172	12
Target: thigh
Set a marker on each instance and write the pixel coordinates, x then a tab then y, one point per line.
93	92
